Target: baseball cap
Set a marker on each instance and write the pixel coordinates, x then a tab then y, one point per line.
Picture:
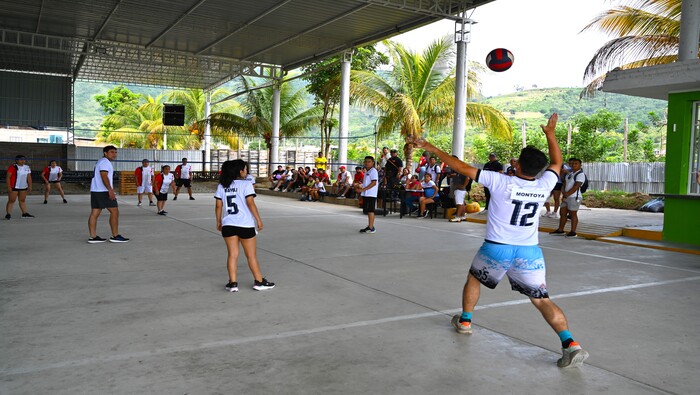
493	154
393	151
342	167
145	160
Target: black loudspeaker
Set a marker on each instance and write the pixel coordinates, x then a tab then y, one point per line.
173	114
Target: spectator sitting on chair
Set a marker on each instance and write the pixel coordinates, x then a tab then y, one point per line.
275	176
405	176
412	185
431	194
357	180
323	177
342	184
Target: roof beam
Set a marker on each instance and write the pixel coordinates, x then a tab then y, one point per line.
81	60
172	25
38	19
245	25
424	7
307	31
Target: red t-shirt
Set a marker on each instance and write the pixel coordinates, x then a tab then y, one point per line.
359	176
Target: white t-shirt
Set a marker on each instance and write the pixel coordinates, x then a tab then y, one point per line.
571	179
54	172
250	178
146	176
514	208
185	171
235	208
433	171
429	185
21	180
320	187
346	178
370	175
167	180
97	185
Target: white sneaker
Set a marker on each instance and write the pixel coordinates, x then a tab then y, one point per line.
554	215
572	357
544	214
456	219
483	212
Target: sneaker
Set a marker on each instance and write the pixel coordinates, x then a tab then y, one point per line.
263	285
341	197
151	204
232	286
45	202
65	201
484	212
425	214
555	215
464	328
373	230
276	189
138	204
572	357
365	230
571	234
96	239
8	216
161	212
191	198
456	219
27	215
557	233
174	198
118	239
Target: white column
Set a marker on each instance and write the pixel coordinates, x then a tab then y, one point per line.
165	137
275	139
207	133
690	30
344	108
462	31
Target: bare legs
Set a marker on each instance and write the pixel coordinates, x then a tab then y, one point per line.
574	219
12	197
113	220
250	250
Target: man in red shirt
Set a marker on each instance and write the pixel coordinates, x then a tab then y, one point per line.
357	180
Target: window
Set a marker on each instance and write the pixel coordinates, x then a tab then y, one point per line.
693	185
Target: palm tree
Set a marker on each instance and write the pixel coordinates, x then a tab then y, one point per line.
647	34
419	94
256	118
194	102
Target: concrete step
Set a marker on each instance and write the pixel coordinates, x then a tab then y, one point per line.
655	244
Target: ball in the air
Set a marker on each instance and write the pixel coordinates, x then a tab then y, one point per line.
500	59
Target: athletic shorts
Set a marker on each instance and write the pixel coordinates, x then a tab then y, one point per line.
19	189
368	204
243	233
459	196
571	203
557	186
182	181
161	197
524	266
142	189
101	200
54	182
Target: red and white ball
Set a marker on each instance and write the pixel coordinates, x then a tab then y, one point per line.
500	59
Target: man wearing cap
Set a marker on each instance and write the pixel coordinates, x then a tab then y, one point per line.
393	168
343	183
144	182
492	165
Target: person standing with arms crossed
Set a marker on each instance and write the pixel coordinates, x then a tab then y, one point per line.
102	196
144	182
236	219
510	247
163	182
19	184
183	176
368	190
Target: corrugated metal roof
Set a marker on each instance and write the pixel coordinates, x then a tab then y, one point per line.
116	40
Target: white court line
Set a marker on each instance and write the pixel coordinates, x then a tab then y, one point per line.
304	332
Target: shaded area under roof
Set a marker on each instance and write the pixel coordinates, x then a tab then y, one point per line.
197	43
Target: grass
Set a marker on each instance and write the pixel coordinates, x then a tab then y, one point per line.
615	199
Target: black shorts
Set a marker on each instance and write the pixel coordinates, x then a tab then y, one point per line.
19	189
243	233
161	197
368	204
181	181
101	200
54	182
557	187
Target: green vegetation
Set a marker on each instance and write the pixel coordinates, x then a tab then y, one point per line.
614	199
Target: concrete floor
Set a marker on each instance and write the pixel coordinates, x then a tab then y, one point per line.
352	313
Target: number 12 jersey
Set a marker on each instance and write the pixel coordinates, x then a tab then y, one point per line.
235	208
514	208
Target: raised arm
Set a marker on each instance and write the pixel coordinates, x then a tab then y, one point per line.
555	158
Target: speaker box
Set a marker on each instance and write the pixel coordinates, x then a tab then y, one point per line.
173	114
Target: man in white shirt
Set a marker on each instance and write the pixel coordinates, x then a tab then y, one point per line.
368	191
510	247
183	176
571	198
102	196
343	183
144	181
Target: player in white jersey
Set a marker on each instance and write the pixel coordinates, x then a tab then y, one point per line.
236	219
144	182
19	184
162	183
183	176
52	175
510	247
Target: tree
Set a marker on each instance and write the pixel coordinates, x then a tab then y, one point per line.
256	117
588	142
647	33
324	85
418	94
114	99
194	101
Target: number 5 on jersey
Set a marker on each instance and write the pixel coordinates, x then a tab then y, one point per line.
231	206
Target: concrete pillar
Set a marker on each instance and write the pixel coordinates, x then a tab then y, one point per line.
275	139
344	108
207	133
462	31
690	30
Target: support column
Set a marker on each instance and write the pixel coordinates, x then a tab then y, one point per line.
207	132
344	108
275	138
690	30
462	36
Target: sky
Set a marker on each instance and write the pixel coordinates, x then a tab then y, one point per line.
543	35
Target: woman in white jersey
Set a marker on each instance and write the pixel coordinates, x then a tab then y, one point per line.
236	218
19	184
161	185
52	175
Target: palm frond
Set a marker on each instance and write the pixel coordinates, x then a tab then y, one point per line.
485	116
596	84
625	50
